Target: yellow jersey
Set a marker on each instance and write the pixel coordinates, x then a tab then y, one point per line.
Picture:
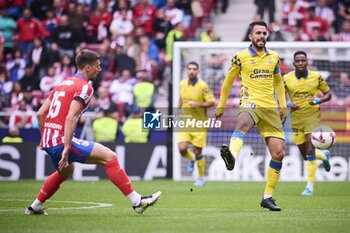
257	71
199	92
300	89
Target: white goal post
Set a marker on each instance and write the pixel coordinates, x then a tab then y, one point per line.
326	57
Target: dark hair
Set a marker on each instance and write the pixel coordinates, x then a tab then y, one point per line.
253	24
193	63
300	52
86	57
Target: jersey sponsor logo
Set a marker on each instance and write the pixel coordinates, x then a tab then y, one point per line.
260	73
66	83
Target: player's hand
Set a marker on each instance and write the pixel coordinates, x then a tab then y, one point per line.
219	112
294	106
283	115
314	101
193	104
63	163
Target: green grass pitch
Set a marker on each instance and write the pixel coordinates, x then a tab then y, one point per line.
216	207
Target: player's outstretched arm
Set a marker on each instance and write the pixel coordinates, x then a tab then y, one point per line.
281	95
225	90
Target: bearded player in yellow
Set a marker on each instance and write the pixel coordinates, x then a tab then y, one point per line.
195	98
258	68
302	86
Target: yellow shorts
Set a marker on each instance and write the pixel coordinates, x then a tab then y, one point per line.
302	126
267	120
197	139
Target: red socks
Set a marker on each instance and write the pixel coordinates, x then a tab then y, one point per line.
118	176
51	185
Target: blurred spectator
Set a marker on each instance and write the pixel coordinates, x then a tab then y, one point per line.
133	129
7	26
121	27
13	136
5	89
144	16
122	93
174	35
77	19
316	35
103	99
16	96
39	58
266	4
106	128
148	58
58	6
51	21
16	65
15	8
174	15
28	80
65	37
122	61
123	6
342	88
93	111
51	80
131	48
28	29
311	21
275	32
23	117
100	21
161	27
65	68
106	59
185	7
32	101
325	12
344	9
295	34
209	34
143	91
214	66
344	34
39	8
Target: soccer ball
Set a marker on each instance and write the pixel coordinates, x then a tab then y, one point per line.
323	137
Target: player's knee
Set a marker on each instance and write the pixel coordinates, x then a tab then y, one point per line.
67	171
183	149
279	153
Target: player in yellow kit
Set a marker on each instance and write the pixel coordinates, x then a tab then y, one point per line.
302	86
258	68
195	98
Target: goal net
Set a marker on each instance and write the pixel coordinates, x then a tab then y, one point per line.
331	59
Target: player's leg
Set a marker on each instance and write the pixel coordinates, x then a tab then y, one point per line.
105	156
49	188
245	122
200	159
276	147
52	183
183	139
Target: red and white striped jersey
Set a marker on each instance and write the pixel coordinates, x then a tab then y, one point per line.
74	88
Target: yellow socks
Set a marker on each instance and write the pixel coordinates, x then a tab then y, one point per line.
311	165
236	142
273	175
201	165
189	155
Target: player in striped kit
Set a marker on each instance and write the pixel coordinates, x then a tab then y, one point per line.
57	119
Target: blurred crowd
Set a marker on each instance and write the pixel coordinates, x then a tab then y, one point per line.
39	40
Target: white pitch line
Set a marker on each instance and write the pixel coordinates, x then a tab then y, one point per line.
92	205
